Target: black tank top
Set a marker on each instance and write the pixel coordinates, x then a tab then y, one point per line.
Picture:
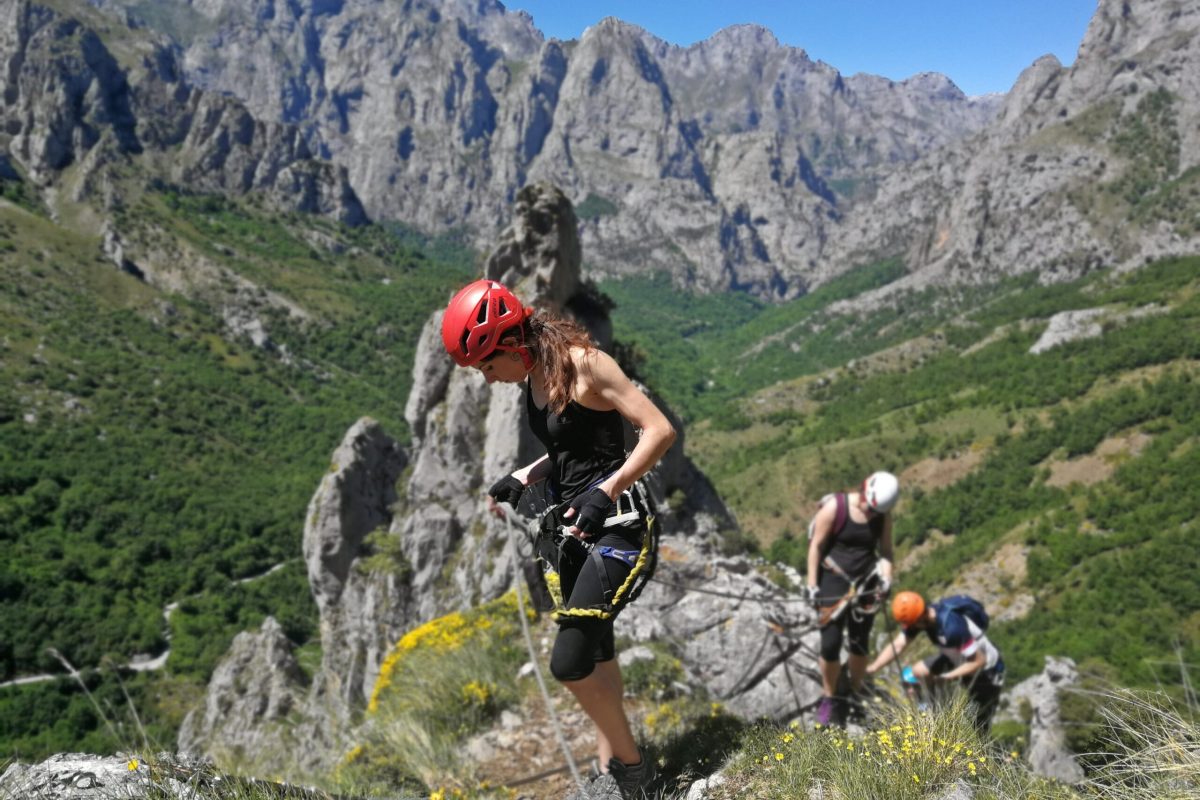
854	548
585	445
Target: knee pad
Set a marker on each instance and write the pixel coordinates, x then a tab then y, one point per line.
573	657
831	642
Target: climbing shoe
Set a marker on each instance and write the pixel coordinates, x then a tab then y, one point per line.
633	780
856	709
825	711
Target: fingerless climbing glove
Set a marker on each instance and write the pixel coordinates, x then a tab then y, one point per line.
507	490
591	509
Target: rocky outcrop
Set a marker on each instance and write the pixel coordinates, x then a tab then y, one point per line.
76	776
158	776
749	643
394	538
1047	753
257	685
1068	326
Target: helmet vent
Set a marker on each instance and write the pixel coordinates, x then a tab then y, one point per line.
481	315
501	307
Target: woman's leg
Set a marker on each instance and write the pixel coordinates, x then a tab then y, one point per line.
829	660
601	697
584	660
858	638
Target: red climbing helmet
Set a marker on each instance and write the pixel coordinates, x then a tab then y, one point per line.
476	319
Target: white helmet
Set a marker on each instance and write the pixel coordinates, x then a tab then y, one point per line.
881	491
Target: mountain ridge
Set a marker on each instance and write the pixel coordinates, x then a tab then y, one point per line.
439	123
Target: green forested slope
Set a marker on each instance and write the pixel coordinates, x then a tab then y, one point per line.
1107	559
148	456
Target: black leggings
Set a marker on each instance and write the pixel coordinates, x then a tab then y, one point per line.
831	588
583	642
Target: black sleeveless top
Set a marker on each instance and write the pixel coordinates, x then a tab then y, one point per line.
854	548
585	446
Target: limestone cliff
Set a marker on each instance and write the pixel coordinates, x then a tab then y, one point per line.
1084	167
728	163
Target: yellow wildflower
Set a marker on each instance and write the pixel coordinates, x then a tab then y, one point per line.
476	693
132	765
779	756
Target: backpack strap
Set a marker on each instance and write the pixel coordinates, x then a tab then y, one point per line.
841	514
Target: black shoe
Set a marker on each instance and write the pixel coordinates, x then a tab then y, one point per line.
856	709
634	780
841	709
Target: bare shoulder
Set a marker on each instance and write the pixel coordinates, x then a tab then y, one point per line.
597	367
601	383
828	509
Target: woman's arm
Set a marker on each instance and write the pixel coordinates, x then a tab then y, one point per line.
533	473
822	528
605	386
886	551
968	667
889	654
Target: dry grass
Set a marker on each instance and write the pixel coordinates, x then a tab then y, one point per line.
1156	750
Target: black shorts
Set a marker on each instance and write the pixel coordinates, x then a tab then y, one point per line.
585	639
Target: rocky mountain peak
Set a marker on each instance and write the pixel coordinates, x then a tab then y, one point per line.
747	37
1120	28
1048	188
935	85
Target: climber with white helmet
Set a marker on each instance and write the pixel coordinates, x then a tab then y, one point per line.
597	530
849	572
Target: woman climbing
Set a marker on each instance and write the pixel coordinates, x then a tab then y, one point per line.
849	554
578	399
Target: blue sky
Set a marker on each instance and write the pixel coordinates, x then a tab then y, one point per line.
982	45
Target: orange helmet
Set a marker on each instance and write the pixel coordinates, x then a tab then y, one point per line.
907	607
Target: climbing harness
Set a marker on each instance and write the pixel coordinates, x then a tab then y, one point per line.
556	551
863	597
